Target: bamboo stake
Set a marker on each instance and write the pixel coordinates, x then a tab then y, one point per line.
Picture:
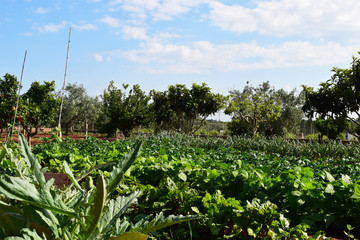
18	97
63	88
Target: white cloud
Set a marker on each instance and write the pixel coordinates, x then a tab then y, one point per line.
289	17
157	9
201	57
113	22
136	33
52	27
140	33
41	10
85	27
98	57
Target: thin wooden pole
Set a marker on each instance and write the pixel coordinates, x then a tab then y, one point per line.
63	88
18	96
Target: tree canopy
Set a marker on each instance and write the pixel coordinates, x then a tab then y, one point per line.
124	110
78	107
8	97
253	106
38	107
184	110
337	99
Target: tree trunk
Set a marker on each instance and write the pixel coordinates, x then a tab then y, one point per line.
86	130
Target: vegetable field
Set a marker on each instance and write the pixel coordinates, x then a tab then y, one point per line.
239	188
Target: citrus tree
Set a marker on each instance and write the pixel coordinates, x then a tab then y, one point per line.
8	96
39	106
185	110
122	110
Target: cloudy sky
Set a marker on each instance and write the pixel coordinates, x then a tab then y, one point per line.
155	43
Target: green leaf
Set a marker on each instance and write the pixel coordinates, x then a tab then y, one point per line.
119	170
97	208
182	176
357	189
2	153
195	209
160	222
329	177
345	179
27	234
25	191
71	176
31	161
330	189
131	236
115	208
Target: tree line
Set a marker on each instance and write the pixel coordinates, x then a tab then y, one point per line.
262	109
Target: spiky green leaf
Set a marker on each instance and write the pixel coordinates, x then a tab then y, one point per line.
98	205
119	170
71	176
160	222
115	208
31	161
25	191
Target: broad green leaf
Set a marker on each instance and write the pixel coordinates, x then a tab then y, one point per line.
114	209
296	193
329	177
309	172
182	176
285	223
131	236
119	170
357	189
195	209
330	189
97	208
345	179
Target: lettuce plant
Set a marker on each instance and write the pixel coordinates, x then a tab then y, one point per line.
31	208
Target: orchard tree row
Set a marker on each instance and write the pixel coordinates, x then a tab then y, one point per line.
335	105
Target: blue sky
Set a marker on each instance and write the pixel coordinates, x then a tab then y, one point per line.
156	43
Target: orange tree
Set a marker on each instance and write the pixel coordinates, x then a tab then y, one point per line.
185	110
123	110
39	106
8	97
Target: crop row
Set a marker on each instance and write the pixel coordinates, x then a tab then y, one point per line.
246	188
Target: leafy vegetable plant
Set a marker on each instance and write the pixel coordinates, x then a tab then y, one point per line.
31	208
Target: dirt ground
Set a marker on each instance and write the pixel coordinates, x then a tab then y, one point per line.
46	133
